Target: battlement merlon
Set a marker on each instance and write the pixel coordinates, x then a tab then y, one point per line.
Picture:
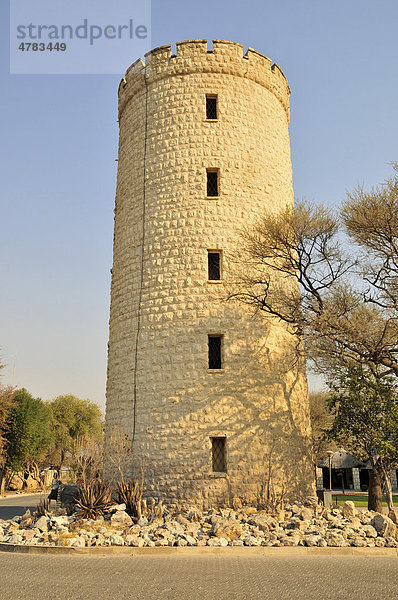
193	56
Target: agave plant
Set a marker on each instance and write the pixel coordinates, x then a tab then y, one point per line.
94	498
129	493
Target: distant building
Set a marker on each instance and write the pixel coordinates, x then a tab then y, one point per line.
348	473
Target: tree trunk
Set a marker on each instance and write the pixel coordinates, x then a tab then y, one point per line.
387	492
61	463
374	492
2	482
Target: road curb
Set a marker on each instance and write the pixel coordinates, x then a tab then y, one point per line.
200	550
37	493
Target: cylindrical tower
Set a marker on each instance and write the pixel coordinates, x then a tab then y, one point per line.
207	392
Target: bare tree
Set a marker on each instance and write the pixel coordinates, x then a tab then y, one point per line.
294	266
321	421
332	279
87	457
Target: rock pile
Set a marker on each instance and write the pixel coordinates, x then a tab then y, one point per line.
297	525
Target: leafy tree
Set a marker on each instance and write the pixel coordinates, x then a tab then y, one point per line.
7	395
6	404
365	412
72	419
29	433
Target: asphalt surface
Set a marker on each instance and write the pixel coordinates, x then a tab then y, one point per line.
17	505
198	577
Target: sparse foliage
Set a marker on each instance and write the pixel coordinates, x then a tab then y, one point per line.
321	421
120	453
87	456
43	508
294	267
274	492
129	489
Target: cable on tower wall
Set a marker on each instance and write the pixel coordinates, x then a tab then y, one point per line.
142	263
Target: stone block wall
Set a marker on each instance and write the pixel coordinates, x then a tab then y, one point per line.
164	226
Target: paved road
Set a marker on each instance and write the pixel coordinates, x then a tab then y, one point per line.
17	505
40	577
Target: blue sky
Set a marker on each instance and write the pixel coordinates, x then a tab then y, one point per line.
58	169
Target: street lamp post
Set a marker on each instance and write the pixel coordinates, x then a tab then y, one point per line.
330	454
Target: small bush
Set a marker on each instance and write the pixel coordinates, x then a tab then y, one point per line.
43	508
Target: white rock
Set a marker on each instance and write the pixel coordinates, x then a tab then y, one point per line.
355	523
162	532
120	517
117	507
61	520
229	529
102	530
117	540
42	523
383	525
349	509
191	540
182	542
380	542
263	522
359	542
15	539
71	541
61	529
79	543
287	540
215	541
134	541
311	540
370	531
336	540
306	514
162	542
237	543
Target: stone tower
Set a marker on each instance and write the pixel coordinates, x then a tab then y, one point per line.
208	393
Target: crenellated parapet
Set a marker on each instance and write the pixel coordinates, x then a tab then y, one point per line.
193	56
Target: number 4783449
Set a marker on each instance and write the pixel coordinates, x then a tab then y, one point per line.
41	47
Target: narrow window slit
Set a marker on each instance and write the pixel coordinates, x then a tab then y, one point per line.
214	265
215	346
211	107
218	455
212	182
